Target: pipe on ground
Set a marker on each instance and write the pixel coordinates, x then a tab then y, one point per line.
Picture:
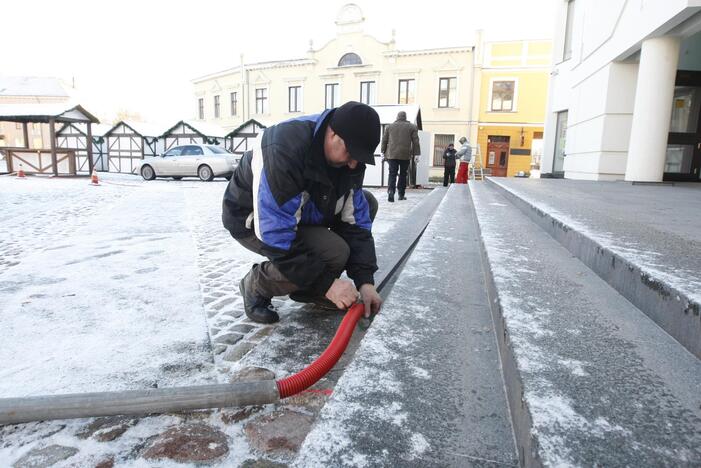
136	402
165	400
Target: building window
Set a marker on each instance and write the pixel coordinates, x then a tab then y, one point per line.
234	103
261	100
567	50
350	59
503	96
216	107
332	96
407	90
367	92
200	108
447	91
440	143
294	99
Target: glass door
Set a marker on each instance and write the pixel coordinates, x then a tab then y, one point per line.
683	160
560	139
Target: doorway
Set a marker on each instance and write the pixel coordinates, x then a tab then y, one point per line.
683	159
498	154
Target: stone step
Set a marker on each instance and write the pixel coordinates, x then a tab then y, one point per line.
590	379
425	385
631	237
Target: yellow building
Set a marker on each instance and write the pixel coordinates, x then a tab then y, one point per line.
513	93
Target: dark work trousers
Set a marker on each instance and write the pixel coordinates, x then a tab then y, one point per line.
448	173
397	165
267	281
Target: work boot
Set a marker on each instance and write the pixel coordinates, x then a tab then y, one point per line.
390	197
307	297
402	197
257	308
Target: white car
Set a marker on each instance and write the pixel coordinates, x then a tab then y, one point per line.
203	161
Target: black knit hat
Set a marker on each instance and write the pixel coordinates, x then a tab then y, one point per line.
359	126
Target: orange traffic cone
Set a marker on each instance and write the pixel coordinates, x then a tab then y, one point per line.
20	173
93	178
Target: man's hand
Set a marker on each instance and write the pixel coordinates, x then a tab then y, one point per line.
342	293
416	159
371	299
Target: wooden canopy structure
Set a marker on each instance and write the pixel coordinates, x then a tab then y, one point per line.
239	139
50	114
130	142
74	136
188	132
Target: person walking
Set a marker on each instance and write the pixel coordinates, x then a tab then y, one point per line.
297	198
449	156
400	143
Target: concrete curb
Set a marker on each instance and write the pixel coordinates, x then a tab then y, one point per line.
590	380
521	420
673	310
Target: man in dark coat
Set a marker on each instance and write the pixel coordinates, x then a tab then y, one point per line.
297	198
449	156
400	143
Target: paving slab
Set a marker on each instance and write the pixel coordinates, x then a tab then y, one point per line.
644	240
425	387
591	380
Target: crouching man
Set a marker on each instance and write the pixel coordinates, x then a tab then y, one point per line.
297	198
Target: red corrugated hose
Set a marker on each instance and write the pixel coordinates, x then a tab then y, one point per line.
309	376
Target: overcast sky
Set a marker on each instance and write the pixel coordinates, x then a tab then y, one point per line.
141	55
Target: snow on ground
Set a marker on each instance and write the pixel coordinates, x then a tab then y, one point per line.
109	287
101	291
128	285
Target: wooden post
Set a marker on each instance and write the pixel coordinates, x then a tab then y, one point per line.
52	129
89	145
25	133
8	155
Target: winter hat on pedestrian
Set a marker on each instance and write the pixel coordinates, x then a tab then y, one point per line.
462	140
359	126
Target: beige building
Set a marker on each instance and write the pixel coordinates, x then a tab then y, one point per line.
29	90
352	66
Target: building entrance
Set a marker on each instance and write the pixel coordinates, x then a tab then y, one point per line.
683	160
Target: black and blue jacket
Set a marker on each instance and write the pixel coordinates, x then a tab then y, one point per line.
285	182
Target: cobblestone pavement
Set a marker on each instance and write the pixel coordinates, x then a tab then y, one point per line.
266	436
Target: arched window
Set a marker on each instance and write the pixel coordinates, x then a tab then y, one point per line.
350	59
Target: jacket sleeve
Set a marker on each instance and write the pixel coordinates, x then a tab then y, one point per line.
278	197
415	141
385	140
445	154
462	151
355	227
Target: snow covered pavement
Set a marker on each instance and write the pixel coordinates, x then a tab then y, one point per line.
128	285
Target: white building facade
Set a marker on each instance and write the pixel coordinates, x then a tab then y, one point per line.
625	91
